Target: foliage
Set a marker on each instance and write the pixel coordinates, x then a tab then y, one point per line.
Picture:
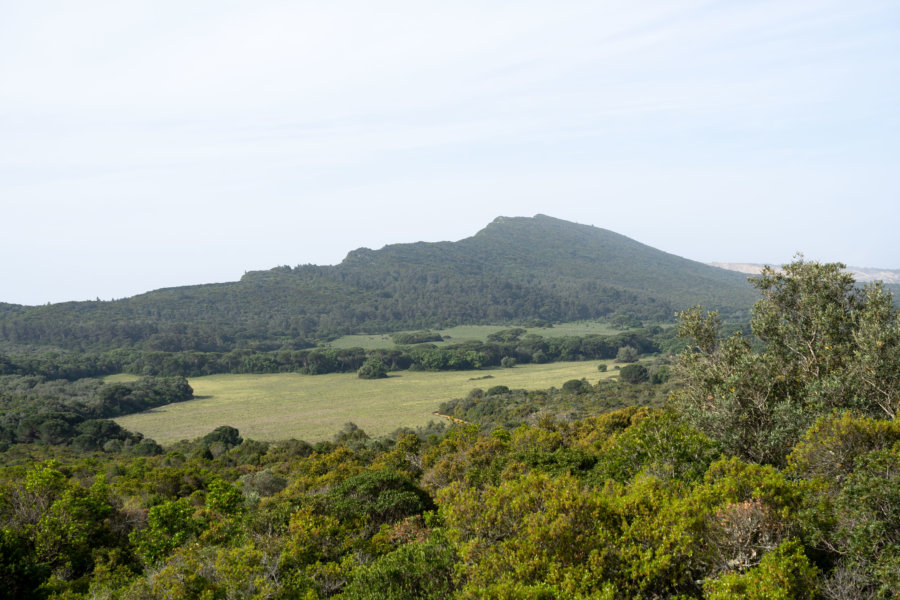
578	399
56	412
627	354
376	498
825	341
416	337
372	369
783	574
658	443
631	504
169	525
418	570
173	366
634	373
542	494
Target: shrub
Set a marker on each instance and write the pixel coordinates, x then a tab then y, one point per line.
417	570
784	573
633	374
372	369
627	354
574	386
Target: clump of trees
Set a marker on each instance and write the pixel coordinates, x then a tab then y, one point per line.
416	337
61	412
372	369
507	348
634	373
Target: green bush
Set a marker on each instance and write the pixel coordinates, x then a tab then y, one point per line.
574	386
411	572
372	369
634	374
627	354
783	574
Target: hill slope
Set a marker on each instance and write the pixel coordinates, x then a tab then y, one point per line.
514	270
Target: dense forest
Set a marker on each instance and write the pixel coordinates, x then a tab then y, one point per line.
515	271
768	469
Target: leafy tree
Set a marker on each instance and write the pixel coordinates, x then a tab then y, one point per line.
574	386
655	442
507	335
821	335
660	375
20	572
352	436
375	498
224	434
634	373
627	354
416	337
223	498
169	525
422	570
372	369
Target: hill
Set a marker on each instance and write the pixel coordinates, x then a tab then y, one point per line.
516	270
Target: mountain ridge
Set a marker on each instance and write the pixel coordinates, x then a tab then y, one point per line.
514	270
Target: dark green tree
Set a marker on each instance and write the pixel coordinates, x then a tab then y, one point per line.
634	373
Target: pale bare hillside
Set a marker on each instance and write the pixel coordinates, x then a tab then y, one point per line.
859	273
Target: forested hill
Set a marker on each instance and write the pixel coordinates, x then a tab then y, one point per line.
516	270
542	250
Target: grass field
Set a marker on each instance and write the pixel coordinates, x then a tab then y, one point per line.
315	407
465	333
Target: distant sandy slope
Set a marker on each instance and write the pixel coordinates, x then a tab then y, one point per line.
859	273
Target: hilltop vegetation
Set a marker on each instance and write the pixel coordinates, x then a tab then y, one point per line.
515	271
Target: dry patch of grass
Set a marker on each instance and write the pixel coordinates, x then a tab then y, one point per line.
315	407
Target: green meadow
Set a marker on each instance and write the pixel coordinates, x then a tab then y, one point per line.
315	407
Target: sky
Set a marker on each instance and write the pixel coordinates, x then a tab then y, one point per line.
150	144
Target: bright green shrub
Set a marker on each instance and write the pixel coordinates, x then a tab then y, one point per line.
783	574
420	570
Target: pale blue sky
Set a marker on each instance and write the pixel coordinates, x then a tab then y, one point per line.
161	143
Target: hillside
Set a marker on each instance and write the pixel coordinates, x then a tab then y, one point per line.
513	271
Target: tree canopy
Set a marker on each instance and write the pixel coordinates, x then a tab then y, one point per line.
827	345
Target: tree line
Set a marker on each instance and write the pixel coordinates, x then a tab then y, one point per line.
523	349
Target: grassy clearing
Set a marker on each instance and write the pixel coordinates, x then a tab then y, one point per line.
121	378
466	333
281	406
